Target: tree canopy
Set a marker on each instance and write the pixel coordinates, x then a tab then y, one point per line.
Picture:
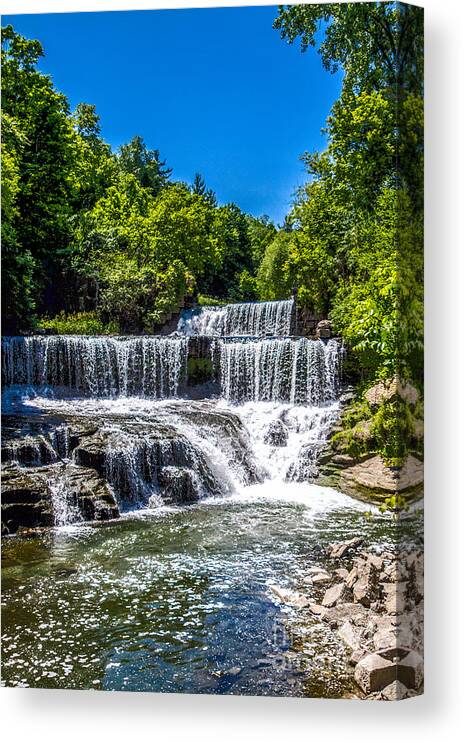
86	229
355	245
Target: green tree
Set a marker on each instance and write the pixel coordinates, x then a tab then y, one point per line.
94	166
356	248
44	164
145	164
18	306
150	250
200	189
261	232
198	185
234	254
377	44
274	280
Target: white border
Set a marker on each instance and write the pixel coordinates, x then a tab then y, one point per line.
58	715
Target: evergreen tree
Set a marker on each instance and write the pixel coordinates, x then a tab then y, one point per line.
145	164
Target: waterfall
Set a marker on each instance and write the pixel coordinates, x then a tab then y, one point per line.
65	507
138	468
259	319
29	451
277	400
97	366
300	372
37	450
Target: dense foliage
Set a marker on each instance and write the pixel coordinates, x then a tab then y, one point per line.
354	247
88	230
355	240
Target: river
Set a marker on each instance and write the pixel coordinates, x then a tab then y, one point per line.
177	597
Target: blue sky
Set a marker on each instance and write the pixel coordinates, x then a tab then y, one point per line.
215	90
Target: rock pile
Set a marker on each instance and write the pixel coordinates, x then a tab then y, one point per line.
375	604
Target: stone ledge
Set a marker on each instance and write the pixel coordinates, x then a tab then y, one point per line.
373	474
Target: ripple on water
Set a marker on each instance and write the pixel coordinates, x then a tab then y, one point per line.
177	600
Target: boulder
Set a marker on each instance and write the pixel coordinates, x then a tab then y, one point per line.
375	561
324	329
356	613
366	588
318	610
348	633
384	639
373	475
352	577
343	459
91	452
91	493
408	664
337	551
316	570
337	593
374	672
384	391
290	597
395	691
394	598
277	434
321	578
29	451
26	499
347	396
178	484
356	656
410	670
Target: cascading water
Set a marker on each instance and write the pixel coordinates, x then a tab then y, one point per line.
37	450
95	427
272	318
97	366
300	372
278	401
64	502
140	468
29	451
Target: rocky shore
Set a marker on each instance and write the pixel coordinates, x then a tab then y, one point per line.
351	459
374	604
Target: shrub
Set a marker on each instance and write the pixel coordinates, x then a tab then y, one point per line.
81	323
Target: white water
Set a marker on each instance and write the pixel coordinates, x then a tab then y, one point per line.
306	426
65	509
254	319
97	366
301	372
224	447
207	448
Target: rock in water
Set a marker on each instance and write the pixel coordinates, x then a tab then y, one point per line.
340	550
26	500
277	434
337	593
178	484
47	496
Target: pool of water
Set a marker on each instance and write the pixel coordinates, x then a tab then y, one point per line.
179	600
